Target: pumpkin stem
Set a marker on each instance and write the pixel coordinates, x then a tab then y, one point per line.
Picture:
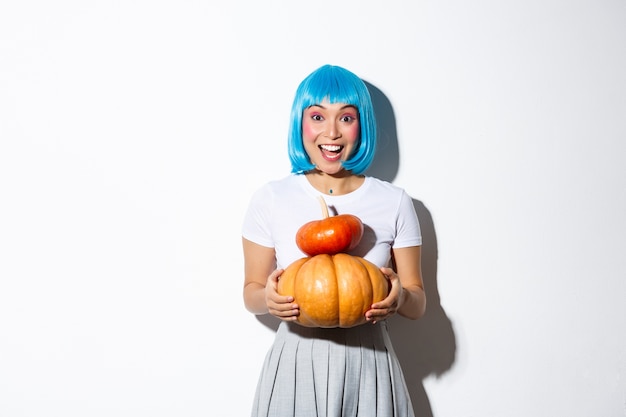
324	207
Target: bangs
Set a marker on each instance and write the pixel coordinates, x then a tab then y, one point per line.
334	86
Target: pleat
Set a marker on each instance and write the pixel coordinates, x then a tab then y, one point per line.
321	375
332	373
384	399
321	367
401	398
352	380
305	392
336	379
368	383
267	381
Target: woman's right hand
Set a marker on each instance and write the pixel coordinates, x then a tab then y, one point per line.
281	306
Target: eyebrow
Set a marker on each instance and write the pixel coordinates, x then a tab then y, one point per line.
343	107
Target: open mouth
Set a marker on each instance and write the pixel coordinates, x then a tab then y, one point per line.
331	152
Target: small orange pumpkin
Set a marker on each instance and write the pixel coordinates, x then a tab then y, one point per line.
330	235
333	290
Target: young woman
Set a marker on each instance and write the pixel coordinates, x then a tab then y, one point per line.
334	372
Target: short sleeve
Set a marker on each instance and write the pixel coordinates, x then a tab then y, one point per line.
257	219
407	224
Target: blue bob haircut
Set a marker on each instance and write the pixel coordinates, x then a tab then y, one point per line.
337	85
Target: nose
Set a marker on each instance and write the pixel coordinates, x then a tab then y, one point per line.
332	130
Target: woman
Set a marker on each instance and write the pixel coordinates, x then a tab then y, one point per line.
320	371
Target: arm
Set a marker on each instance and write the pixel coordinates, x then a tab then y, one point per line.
407	296
261	279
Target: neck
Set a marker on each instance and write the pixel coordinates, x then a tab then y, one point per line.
334	184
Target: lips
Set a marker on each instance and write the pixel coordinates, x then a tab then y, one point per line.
331	152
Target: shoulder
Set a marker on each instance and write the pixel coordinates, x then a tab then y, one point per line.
378	186
394	198
278	186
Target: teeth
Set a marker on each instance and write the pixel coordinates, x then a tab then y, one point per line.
331	148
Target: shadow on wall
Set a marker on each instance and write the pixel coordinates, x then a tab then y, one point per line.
426	346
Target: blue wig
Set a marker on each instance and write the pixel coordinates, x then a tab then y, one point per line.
337	85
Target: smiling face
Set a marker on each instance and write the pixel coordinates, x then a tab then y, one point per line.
330	133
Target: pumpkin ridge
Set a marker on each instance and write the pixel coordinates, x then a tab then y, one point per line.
337	291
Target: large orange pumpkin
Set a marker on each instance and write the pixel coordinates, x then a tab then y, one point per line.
333	290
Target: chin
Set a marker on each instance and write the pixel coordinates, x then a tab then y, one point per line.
335	172
330	168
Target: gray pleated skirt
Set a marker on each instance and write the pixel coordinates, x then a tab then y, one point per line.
311	372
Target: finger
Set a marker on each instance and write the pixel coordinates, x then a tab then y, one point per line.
381	305
275	275
388	272
377	313
279	299
285	311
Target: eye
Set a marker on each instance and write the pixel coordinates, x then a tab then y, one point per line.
317	117
347	118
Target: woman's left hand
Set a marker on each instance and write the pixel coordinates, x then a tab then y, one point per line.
390	305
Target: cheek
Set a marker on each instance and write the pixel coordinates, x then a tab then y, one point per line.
352	132
308	131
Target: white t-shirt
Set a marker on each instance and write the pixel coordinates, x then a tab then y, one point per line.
279	208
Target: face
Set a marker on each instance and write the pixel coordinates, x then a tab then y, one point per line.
330	133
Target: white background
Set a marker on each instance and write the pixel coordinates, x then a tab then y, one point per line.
132	134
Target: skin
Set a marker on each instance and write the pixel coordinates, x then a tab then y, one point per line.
330	133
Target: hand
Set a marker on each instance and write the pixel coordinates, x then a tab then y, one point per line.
389	306
281	306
